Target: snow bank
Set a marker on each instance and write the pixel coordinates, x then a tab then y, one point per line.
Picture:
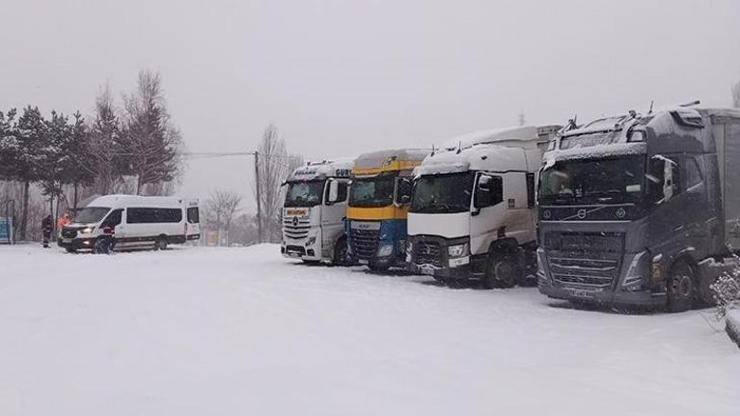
199	331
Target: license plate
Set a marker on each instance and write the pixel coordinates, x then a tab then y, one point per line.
66	240
582	293
426	269
363	261
294	254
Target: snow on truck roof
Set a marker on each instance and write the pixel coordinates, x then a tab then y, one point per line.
339	167
109	201
610	136
505	149
373	163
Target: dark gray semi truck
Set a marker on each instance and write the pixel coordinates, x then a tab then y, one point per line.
641	210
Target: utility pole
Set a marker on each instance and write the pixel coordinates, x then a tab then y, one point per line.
257	188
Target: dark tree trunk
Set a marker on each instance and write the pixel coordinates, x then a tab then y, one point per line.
24	210
74	202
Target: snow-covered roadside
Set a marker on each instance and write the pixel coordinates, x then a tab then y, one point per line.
199	331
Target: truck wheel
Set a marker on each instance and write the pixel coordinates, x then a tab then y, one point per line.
341	258
502	271
682	289
70	250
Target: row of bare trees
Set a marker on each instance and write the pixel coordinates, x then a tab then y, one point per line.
225	212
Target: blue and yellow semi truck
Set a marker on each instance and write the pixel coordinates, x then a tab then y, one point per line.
378	206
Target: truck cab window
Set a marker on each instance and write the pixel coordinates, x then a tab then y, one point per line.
662	179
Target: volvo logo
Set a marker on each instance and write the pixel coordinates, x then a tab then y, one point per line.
295	221
581	214
621	213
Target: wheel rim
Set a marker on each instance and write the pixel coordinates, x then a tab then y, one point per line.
504	272
681	286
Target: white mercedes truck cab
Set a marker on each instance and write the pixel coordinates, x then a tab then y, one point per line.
314	212
472	213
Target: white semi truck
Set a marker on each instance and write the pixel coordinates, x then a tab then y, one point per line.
314	211
472	213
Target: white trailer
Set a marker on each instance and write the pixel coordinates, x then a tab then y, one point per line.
473	213
314	212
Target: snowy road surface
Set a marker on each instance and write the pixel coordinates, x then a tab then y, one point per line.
199	331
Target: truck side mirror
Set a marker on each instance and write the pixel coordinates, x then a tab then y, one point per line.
333	192
483	192
403	191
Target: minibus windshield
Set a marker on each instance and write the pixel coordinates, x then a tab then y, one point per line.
589	181
91	215
372	192
443	193
304	194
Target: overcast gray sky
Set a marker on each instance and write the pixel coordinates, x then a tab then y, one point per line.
343	77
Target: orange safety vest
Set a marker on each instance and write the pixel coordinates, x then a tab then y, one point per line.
62	222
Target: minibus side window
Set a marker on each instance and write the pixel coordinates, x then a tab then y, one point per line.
114	218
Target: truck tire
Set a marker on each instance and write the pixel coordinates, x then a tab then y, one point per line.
503	270
341	258
70	250
682	288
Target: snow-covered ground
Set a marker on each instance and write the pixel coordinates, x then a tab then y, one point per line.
197	331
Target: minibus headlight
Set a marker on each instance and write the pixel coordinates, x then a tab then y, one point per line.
458	250
87	230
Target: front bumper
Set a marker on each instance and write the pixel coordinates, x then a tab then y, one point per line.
607	296
76	243
297	249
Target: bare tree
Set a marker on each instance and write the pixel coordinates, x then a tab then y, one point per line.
274	166
149	140
736	95
224	205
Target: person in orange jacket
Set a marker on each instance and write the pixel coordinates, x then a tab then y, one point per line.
63	220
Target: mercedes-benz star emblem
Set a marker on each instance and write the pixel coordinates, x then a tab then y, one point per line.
295	221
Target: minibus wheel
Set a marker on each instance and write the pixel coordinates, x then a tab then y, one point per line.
101	246
682	288
161	243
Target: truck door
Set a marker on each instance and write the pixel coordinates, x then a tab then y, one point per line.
489	210
333	214
669	216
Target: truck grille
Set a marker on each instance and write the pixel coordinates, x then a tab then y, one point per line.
427	252
585	259
296	227
364	243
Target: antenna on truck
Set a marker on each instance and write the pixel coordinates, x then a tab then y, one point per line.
695	102
650	111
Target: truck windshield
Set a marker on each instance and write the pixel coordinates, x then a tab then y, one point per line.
91	215
372	192
603	181
443	193
304	194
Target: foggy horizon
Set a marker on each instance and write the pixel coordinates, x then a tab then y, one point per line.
342	78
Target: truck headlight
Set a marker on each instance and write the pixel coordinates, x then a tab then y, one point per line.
385	250
458	250
311	241
541	273
636	272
